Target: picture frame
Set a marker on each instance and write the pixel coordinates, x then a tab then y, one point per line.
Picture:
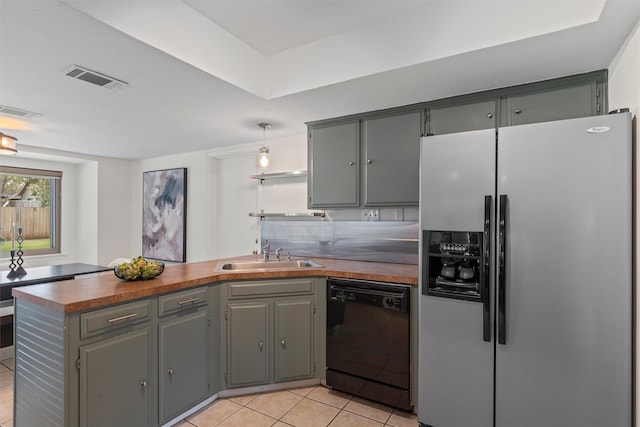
164	214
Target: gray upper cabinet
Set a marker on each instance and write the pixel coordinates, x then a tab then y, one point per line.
391	148
385	171
578	100
461	118
368	162
334	165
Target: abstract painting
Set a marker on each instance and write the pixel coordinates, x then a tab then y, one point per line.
164	220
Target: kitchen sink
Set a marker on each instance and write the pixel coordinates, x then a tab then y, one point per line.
257	265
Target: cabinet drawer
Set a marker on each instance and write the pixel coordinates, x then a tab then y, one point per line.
171	303
270	288
108	319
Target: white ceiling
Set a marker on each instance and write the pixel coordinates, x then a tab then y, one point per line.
203	73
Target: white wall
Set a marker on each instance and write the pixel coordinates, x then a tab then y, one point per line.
86	221
198	190
220	195
102	200
235	232
70	200
624	91
96	203
624	75
115	191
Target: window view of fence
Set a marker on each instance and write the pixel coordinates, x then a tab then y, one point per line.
29	206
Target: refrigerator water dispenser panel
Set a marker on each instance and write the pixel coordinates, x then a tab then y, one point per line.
454	261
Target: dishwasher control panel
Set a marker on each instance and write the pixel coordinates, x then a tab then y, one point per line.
387	296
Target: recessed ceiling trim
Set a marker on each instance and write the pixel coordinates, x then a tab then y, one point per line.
93	77
359	51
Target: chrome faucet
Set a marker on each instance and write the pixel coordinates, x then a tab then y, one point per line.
278	251
265	250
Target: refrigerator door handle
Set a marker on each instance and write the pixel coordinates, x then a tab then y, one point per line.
486	256
502	276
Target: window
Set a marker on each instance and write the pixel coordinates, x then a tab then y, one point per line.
29	202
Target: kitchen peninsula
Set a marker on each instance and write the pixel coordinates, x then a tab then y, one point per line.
51	273
91	350
34	275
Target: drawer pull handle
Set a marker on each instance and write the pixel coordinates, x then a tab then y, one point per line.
170	371
284	343
261	345
118	319
187	301
143	384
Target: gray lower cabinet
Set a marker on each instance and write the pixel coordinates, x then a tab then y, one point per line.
140	363
270	331
248	343
294	339
117	382
182	351
114	381
145	362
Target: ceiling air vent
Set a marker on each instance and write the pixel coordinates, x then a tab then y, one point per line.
93	77
12	111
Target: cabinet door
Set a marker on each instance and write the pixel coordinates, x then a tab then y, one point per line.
114	381
294	339
392	159
462	118
182	364
334	165
248	344
556	104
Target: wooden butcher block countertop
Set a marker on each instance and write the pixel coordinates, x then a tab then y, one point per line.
92	292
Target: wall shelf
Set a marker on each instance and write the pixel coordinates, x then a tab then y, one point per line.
299	215
279	175
284	215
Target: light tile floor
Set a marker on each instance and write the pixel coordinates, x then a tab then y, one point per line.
6	393
301	407
316	406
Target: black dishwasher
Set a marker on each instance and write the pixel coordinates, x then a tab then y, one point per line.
368	334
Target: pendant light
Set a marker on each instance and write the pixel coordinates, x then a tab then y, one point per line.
8	144
264	160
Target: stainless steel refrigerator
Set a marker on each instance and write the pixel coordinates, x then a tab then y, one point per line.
525	313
